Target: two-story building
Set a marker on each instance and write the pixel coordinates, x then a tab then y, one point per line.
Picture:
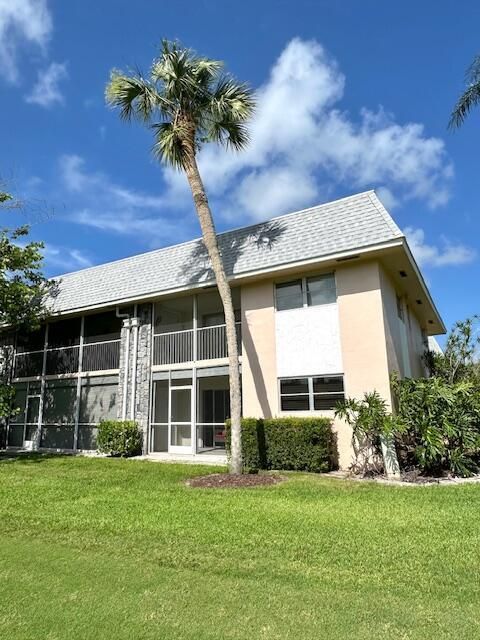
329	302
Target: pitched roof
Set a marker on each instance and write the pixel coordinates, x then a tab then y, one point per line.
343	225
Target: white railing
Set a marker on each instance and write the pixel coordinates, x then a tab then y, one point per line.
96	356
179	346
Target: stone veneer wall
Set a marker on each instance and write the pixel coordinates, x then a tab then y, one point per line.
144	349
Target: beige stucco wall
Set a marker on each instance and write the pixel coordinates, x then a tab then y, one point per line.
259	367
393	326
362	339
370	342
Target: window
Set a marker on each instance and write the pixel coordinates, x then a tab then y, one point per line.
305	292
311	393
400	308
321	290
289	295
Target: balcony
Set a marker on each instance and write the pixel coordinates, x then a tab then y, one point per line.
176	347
94	356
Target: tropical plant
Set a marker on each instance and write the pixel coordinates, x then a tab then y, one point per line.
372	425
460	359
470	97
441	425
188	101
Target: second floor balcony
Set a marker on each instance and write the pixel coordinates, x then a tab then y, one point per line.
97	356
205	343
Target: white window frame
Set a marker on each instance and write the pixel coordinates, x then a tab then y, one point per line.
303	281
311	394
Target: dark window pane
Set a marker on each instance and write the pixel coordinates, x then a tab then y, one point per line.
294	403
33	408
326	383
321	290
33	341
19	402
28	364
98	402
294	385
102	326
289	295
208	405
57	437
222	405
15	435
62	361
160	399
87	437
64	333
327	401
59	403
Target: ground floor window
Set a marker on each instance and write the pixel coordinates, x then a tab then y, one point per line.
311	393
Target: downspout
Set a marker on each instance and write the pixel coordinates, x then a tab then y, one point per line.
134	324
126	325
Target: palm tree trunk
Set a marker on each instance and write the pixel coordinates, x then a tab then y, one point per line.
210	239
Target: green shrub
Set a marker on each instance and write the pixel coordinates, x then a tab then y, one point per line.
300	444
119	438
441	425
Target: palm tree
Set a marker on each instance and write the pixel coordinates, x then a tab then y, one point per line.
187	101
470	97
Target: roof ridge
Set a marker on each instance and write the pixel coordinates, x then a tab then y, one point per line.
377	203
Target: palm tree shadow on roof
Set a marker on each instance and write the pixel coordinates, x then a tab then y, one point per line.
232	244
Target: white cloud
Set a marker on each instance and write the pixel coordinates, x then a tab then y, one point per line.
108	206
46	91
21	22
301	138
429	255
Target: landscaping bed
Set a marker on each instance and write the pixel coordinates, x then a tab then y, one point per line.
233	481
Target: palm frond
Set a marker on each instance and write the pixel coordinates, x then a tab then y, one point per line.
467	101
135	97
168	147
233	100
228	133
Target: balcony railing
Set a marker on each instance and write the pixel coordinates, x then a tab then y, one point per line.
96	356
179	346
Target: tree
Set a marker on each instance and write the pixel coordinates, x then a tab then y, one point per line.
23	294
460	360
470	97
188	101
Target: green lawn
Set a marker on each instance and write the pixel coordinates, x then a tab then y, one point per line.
99	548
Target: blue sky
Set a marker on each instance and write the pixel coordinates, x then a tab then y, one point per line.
352	95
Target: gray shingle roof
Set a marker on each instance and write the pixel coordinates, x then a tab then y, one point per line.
348	224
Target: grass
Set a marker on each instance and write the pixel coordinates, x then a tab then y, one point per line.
99	548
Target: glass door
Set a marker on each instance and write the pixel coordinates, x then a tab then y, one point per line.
32	411
180	420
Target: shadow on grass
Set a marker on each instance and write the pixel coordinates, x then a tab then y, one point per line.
28	457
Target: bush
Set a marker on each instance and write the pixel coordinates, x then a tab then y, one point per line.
441	425
117	438
300	444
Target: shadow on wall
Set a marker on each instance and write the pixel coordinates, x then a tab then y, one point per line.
256	371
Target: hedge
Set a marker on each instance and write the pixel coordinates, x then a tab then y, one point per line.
119	438
300	444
